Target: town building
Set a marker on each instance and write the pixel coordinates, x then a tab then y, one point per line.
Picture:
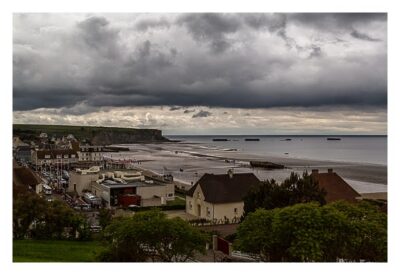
219	198
54	157
18	142
121	188
91	153
23	153
336	187
23	176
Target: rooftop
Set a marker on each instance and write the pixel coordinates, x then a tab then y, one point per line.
114	184
24	176
335	187
225	188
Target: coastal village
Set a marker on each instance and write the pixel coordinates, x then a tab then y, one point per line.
87	178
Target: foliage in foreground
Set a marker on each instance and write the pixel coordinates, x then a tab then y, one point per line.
309	232
151	236
36	218
295	189
55	251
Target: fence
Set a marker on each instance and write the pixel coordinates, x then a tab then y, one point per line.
204	222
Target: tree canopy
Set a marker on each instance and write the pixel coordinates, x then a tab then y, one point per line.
150	235
295	189
309	232
36	218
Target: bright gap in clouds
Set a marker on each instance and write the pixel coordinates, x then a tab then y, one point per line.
204	120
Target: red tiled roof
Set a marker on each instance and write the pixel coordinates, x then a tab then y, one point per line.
335	187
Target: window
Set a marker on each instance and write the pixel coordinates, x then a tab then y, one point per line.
190	205
46	156
65	156
170	194
208	212
198	194
73	155
59	156
235	210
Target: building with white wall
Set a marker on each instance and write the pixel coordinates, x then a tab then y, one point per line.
90	153
122	188
219	198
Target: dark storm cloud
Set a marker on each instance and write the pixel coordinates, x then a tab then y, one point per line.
221	60
316	51
336	20
212	28
202	113
97	34
146	24
363	36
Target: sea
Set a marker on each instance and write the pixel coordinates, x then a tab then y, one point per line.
357	149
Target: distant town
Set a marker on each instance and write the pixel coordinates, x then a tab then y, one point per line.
220	215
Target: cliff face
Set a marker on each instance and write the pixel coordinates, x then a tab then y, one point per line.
97	135
107	137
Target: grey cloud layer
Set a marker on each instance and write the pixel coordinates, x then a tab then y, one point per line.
222	60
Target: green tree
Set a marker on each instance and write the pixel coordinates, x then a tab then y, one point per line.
309	232
366	231
105	217
34	217
28	209
59	221
150	235
295	189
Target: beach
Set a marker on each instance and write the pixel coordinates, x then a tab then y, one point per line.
188	161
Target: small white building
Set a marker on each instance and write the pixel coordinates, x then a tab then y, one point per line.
219	198
117	188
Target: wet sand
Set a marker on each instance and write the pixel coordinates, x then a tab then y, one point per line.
187	162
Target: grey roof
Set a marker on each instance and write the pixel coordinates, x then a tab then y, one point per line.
223	188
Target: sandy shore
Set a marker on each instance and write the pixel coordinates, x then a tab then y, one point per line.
187	162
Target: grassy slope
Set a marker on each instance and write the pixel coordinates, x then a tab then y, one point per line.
55	251
177	201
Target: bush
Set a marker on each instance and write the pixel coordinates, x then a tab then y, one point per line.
150	235
309	232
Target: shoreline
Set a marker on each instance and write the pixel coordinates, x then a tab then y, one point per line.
351	170
188	162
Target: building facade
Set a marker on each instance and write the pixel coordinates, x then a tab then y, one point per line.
90	153
54	157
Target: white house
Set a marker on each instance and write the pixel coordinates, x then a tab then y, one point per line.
219	197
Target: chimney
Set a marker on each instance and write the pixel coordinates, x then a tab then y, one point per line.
230	173
330	170
314	172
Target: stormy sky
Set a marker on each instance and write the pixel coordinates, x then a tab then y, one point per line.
203	73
